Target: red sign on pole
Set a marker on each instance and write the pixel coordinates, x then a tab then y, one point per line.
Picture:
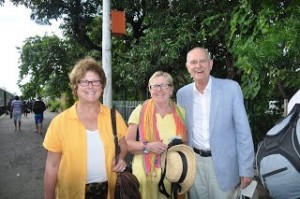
118	23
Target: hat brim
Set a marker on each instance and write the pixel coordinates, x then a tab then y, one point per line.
174	166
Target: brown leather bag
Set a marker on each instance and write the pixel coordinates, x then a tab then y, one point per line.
127	185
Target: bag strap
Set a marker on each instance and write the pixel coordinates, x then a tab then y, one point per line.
114	129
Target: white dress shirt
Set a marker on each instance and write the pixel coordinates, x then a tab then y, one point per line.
201	113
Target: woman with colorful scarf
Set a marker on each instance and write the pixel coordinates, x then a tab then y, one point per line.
152	126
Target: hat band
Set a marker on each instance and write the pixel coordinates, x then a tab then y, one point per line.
175	186
184	167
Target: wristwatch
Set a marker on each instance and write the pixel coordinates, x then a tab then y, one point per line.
145	150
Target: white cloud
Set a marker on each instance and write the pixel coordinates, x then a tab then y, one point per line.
16	26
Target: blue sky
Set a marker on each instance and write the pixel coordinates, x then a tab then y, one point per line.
16	26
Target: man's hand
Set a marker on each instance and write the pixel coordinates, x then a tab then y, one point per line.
245	181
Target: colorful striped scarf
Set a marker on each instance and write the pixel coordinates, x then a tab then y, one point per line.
148	131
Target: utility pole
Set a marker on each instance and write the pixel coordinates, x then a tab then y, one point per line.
106	53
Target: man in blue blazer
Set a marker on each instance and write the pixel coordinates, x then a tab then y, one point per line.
218	130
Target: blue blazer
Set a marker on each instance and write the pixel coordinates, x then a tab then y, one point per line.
230	135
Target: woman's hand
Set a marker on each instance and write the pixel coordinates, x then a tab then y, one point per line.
156	147
121	166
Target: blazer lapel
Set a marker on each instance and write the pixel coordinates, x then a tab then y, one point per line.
214	103
189	107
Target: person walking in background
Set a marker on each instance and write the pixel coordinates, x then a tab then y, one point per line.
16	108
25	108
156	122
38	108
80	141
10	108
30	104
218	130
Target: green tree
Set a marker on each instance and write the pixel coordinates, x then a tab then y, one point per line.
265	45
46	61
170	29
159	35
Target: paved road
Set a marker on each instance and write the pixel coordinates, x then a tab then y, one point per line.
22	158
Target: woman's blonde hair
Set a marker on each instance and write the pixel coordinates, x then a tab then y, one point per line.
161	74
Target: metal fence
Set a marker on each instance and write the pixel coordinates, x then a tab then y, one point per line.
125	107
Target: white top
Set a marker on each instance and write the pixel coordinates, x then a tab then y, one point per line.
17	106
96	170
294	100
201	113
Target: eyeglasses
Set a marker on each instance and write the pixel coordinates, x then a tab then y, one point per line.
157	87
87	82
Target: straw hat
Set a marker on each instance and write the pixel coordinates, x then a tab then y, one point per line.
175	157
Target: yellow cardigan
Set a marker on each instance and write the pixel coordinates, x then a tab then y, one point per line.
67	135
